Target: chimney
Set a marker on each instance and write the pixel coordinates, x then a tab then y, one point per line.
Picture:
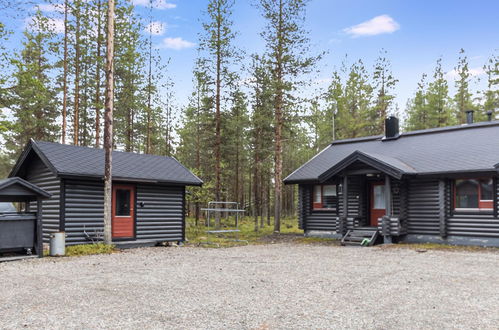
391	128
469	116
489	115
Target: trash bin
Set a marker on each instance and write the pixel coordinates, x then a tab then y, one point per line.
58	244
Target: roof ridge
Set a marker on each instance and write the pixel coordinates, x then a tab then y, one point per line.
101	149
421	132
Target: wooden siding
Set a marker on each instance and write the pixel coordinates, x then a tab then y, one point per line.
40	175
426	209
84	210
161	218
423	207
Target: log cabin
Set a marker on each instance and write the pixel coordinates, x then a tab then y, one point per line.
433	185
148	193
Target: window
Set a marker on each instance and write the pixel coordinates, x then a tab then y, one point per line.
325	197
122	202
474	194
379	197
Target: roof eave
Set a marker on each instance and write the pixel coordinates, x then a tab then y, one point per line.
130	179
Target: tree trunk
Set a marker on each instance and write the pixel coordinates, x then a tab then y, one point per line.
108	124
278	123
268	203
149	91
97	77
65	74
76	114
256	188
218	138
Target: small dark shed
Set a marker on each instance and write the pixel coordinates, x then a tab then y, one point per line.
434	185
148	193
21	230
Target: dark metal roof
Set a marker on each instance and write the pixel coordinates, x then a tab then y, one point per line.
455	149
69	160
27	189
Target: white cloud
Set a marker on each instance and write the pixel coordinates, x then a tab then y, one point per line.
56	25
377	25
157	4
176	43
453	74
156	28
52	7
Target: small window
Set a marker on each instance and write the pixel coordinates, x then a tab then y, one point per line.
122	202
325	197
474	194
379	197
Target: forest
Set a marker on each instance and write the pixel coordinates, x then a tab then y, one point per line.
240	135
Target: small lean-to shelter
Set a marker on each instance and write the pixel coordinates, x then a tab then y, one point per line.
148	193
433	185
21	231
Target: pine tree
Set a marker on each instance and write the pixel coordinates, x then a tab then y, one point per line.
32	98
287	46
217	45
417	109
354	116
384	83
463	98
108	122
437	96
129	80
490	97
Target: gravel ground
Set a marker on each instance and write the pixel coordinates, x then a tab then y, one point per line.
281	286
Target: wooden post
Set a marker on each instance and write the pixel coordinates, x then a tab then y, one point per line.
441	208
494	186
39	228
388	209
344	217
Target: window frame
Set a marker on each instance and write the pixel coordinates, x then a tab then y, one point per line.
318	206
484	205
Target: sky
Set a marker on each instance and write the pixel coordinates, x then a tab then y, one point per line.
415	33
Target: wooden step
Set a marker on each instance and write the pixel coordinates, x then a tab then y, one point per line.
356	237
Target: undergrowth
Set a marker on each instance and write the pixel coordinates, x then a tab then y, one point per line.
197	234
88	249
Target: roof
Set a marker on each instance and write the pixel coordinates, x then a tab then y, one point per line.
69	160
24	189
455	149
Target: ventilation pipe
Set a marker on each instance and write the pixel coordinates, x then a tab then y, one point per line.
489	115
469	117
391	128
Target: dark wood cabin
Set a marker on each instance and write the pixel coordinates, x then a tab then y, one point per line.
148	193
434	185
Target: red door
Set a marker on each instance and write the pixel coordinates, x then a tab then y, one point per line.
378	208
123	211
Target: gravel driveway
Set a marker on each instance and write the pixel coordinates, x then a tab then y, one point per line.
281	286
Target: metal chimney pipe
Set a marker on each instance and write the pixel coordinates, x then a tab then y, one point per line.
489	115
469	116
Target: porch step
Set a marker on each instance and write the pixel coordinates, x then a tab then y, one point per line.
356	236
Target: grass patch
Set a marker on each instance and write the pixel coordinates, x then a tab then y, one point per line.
318	240
422	247
196	235
89	249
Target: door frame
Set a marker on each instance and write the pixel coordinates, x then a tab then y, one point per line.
371	198
113	209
